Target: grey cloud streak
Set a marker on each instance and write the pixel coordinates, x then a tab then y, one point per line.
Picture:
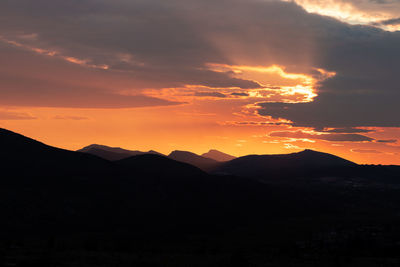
332	137
366	151
6	115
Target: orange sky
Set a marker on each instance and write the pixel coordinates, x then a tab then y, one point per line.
197	127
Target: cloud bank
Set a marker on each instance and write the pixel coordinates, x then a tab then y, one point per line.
90	53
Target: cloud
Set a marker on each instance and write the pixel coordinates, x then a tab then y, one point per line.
210	94
366	151
395	21
363	92
87	100
75	118
14	115
291	146
322	136
389	141
257	123
240	94
346	130
367	12
169	44
141	40
28	79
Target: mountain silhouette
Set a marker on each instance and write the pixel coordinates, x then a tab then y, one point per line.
72	203
307	162
203	163
218	155
153	164
58	190
113	153
21	155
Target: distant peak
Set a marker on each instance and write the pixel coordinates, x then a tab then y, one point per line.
218	155
155	153
181	152
100	146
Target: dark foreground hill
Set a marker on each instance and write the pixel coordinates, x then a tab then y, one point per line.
307	162
21	156
64	208
307	166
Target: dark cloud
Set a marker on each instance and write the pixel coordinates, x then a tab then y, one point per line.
258	123
14	115
212	94
389	22
389	141
240	94
346	130
144	44
366	88
28	79
326	137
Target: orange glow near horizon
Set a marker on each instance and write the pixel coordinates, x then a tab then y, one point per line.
188	127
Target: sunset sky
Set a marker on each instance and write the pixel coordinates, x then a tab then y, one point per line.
240	76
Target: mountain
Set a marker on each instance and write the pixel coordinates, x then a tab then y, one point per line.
218	155
20	155
113	153
46	189
307	162
78	207
203	163
153	164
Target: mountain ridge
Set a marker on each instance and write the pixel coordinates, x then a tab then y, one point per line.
113	153
40	159
218	155
299	163
203	163
78	191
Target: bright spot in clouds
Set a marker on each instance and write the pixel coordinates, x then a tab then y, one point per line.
275	81
365	12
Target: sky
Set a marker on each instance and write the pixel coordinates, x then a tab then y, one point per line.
240	76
